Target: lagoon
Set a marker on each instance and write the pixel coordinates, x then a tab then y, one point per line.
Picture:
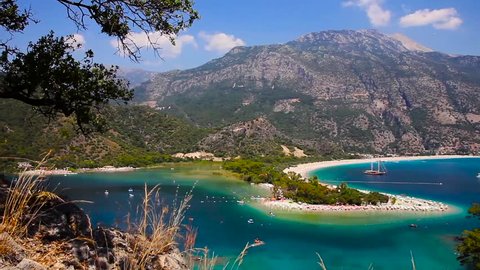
344	241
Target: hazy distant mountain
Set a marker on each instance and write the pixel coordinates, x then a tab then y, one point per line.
135	76
360	90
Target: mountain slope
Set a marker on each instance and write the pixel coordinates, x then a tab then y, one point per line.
137	136
361	90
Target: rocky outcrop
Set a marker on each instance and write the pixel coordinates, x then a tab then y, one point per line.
60	220
61	238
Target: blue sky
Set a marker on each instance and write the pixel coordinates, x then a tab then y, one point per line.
450	26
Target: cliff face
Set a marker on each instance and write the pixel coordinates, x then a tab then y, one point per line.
361	90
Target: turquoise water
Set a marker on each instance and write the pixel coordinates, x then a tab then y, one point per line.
344	242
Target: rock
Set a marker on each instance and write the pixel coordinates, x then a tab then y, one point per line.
61	266
172	260
112	247
101	263
27	264
80	250
60	220
344	87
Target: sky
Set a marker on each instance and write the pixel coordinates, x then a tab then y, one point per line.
449	26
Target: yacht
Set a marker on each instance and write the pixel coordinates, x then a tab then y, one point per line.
380	170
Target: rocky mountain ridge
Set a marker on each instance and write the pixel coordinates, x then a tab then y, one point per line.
361	90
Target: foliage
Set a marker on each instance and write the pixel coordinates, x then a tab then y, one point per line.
118	18
49	78
468	248
137	136
474	210
12	18
294	187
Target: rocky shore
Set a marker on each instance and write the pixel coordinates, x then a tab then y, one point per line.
61	237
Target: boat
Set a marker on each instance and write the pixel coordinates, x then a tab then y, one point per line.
257	242
130	190
130	195
413	225
106	192
478	175
381	170
250	221
241	202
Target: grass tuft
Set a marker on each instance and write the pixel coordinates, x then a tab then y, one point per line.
24	200
158	229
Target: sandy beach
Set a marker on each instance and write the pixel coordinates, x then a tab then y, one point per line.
397	203
107	169
48	172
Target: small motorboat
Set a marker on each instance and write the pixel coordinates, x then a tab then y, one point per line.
241	202
130	190
106	192
131	195
250	221
413	225
478	175
257	242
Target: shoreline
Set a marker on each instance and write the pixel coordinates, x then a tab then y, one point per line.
403	204
396	203
106	169
306	168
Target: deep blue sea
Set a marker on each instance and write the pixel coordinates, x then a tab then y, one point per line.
348	241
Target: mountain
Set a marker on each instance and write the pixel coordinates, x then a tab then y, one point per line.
135	76
361	91
410	44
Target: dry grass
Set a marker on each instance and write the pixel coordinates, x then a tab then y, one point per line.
413	261
205	261
320	262
5	248
24	200
158	229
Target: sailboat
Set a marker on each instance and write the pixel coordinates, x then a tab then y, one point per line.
379	171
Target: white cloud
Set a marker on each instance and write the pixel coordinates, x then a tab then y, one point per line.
161	42
220	42
76	40
446	18
377	15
